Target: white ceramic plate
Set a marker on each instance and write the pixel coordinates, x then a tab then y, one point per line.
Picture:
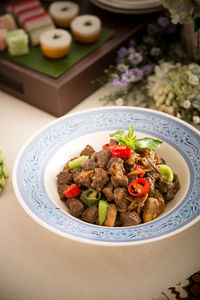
125	9
133	4
44	155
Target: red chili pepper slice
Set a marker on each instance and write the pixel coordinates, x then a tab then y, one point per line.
138	168
121	151
138	187
72	191
106	145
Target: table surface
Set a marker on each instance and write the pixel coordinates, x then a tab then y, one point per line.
38	264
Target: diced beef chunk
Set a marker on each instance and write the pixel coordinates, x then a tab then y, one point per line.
60	189
108	192
111	216
115	166
76	207
102	157
83	178
88	150
113	142
155	170
131	161
144	152
64	177
89	164
75	171
176	183
151	183
153	208
100	179
90	214
119	181
130	218
170	194
164	186
121	202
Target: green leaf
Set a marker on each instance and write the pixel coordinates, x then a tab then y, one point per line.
119	132
148	143
131	131
131	141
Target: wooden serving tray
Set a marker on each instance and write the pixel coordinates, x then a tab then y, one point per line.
58	95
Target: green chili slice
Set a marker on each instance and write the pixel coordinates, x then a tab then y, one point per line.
76	163
103	211
166	173
91	197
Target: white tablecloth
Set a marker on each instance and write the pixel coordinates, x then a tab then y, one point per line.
36	264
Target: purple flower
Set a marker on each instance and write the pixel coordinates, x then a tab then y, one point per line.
122	52
131	75
155	51
138	74
163	21
128	76
122	67
135	58
148	69
118	81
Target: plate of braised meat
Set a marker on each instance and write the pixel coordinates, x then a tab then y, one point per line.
111	176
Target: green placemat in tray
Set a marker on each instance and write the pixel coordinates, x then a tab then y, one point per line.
35	59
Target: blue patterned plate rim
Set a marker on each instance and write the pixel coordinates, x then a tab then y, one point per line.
33	158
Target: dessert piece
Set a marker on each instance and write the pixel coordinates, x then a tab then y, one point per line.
55	43
86	29
7	22
29	12
3	39
17	42
36	25
21	5
63	12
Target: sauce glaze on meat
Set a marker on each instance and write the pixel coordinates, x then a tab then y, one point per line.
112	176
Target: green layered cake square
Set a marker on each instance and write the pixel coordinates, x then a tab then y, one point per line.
17	42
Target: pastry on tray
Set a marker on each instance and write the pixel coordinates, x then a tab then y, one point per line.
63	12
37	25
16	7
7	22
55	43
17	42
86	29
3	39
29	12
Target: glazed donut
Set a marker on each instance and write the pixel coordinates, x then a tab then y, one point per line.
55	43
63	12
86	29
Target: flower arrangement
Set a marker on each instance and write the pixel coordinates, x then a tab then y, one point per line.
137	61
153	71
176	90
184	11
